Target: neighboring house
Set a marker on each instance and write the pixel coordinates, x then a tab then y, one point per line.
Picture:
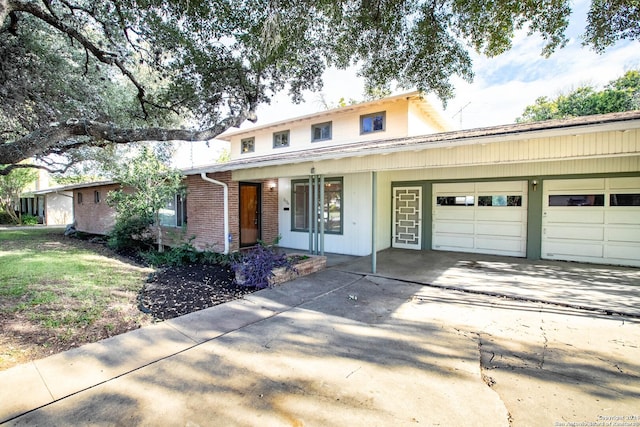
52	205
384	174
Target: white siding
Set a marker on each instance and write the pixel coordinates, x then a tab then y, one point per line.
356	237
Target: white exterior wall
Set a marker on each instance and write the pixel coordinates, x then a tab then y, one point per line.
356	237
59	208
345	129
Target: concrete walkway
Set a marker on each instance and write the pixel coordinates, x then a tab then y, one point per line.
344	348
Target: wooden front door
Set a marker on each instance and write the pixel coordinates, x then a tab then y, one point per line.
249	214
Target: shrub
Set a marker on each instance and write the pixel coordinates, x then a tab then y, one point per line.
29	220
256	266
131	233
179	255
5	218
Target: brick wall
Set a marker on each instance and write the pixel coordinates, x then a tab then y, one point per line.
92	217
205	212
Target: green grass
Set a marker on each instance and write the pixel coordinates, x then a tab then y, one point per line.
58	281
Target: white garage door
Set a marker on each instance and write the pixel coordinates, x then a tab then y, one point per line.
592	220
482	217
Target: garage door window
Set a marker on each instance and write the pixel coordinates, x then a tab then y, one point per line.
624	200
455	200
577	200
500	200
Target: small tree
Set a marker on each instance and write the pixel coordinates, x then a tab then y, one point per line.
11	186
147	183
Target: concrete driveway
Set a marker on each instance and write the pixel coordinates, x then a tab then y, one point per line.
344	348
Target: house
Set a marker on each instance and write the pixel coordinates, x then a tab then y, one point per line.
52	205
388	173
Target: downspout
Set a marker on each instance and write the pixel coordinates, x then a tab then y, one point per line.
225	188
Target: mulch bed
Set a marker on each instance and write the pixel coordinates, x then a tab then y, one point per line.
176	291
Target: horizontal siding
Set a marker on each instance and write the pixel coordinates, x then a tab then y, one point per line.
614	151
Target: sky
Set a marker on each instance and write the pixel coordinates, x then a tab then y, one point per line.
502	87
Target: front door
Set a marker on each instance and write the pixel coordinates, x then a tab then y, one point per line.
249	214
407	217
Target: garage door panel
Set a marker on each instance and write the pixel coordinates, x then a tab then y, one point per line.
618	215
623	252
500	230
454	187
453	242
501	214
513	246
565	249
625	183
622	234
574	184
581	215
454	214
574	233
454	227
501	186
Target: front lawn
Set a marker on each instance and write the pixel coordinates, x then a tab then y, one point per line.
58	293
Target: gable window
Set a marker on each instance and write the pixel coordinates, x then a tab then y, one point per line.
375	122
174	213
248	145
331	206
321	132
281	139
96	197
79	197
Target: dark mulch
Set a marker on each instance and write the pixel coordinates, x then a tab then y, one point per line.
176	291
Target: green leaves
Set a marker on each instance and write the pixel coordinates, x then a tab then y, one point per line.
622	94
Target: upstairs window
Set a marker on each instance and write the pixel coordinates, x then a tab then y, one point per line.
321	132
174	213
281	139
247	145
370	123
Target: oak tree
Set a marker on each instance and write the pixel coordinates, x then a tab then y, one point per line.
78	75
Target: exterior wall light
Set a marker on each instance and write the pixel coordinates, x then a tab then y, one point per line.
534	184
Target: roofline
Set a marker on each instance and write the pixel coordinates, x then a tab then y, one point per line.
516	131
74	187
226	136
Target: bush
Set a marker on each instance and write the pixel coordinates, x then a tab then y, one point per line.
29	220
173	257
131	233
256	266
5	218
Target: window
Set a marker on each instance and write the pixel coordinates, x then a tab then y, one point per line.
331	206
247	145
455	200
174	213
577	200
321	132
624	200
96	197
79	197
500	200
370	123
281	139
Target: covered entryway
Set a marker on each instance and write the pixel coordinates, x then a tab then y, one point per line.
249	213
481	217
592	220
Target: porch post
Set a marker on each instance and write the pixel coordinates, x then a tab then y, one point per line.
310	214
321	236
374	215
